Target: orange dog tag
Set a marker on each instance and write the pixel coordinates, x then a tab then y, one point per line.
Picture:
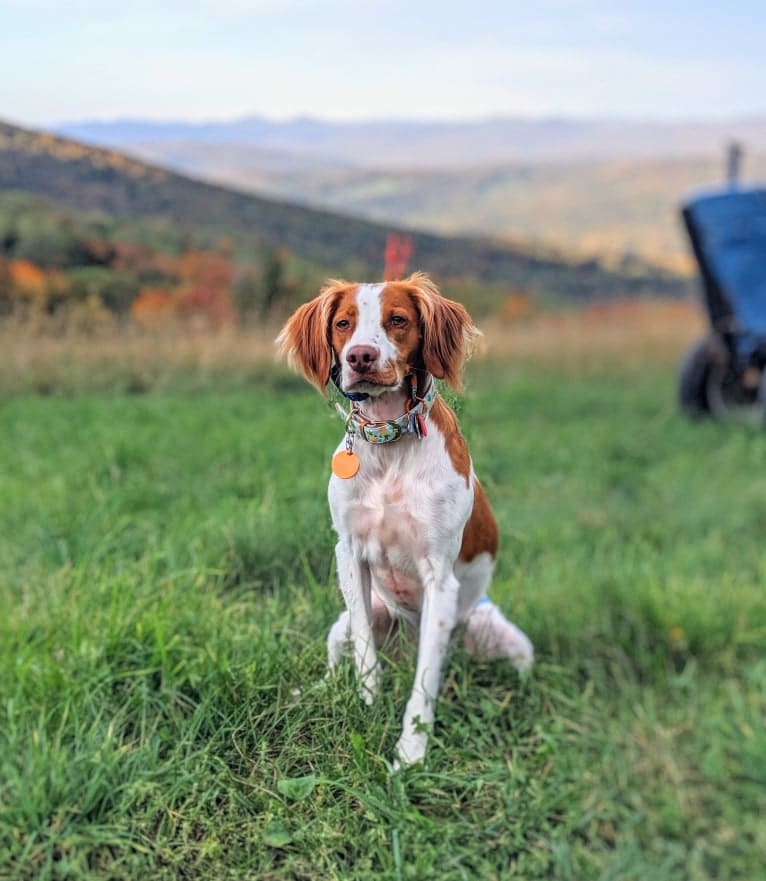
345	464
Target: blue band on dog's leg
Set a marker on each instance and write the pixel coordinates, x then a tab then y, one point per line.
485	599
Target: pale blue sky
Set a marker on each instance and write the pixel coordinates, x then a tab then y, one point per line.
216	59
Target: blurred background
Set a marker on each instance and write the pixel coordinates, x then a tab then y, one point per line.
207	166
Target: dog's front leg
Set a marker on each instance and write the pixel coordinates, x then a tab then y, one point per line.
438	619
356	587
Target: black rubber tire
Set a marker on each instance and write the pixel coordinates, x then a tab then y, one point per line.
693	376
729	399
710	387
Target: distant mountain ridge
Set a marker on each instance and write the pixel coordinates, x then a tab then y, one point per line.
385	144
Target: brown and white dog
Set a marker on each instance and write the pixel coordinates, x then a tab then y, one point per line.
417	539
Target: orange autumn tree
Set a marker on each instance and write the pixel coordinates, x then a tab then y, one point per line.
201	292
206	284
153	307
28	280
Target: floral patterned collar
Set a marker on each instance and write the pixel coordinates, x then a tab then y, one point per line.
413	421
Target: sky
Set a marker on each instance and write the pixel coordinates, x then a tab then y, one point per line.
67	60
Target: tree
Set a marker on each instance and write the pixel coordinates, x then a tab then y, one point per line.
6	300
272	280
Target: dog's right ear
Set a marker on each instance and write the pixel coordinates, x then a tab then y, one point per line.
305	338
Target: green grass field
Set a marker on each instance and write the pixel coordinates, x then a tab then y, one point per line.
166	584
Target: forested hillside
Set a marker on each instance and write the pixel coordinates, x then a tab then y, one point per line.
77	213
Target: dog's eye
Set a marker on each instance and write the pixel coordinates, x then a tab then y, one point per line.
343	324
398	320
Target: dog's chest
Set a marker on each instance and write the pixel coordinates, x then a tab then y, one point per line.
383	517
397	510
388	535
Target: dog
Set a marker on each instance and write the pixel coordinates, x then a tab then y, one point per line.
417	539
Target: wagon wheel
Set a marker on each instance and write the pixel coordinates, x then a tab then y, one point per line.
732	396
708	385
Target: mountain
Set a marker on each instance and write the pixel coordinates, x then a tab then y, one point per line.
610	207
605	187
397	144
91	179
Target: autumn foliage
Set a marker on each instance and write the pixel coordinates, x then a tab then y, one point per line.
201	294
28	280
195	287
25	282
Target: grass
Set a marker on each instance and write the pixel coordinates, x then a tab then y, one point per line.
166	581
43	357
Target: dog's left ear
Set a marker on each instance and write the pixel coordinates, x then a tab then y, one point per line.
305	339
448	331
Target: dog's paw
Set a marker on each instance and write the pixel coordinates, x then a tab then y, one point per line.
490	635
521	652
410	749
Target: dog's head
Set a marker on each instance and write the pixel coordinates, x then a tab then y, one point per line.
377	334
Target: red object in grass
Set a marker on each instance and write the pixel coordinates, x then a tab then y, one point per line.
398	254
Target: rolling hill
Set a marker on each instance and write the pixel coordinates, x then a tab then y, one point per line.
89	179
593	187
605	208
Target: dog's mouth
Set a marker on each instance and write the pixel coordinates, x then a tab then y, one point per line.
371	385
371	382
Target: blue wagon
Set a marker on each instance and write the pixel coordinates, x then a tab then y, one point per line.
722	374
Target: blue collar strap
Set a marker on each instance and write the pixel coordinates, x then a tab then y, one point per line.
411	422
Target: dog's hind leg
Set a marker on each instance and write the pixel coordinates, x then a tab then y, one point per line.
489	635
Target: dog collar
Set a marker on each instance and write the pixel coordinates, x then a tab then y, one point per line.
412	421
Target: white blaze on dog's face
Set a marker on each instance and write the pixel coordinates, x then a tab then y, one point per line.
375	337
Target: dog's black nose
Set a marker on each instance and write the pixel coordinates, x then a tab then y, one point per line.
361	358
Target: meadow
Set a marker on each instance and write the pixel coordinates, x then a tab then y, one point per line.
166	584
